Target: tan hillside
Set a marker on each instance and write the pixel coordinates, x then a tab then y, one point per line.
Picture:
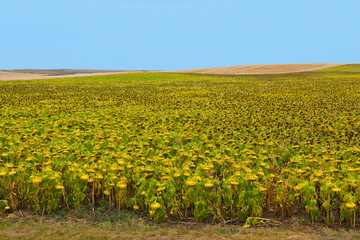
263	68
26	74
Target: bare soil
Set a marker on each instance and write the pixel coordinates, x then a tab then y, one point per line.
263	69
26	74
15	227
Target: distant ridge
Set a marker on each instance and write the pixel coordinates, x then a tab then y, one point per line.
67	71
26	74
263	68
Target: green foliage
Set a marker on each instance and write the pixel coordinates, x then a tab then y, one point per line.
349	68
177	145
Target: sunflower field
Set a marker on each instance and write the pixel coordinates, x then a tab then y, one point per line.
176	146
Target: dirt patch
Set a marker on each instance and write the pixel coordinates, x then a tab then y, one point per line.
263	69
45	228
27	74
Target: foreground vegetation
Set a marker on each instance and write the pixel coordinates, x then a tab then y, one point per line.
44	229
177	146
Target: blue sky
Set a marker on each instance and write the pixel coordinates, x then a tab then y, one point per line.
172	35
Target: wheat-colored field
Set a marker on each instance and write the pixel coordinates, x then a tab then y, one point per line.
26	74
263	69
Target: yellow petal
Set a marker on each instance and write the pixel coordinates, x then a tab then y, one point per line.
155	205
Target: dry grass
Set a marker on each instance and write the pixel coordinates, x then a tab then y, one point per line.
14	75
26	74
263	68
40	228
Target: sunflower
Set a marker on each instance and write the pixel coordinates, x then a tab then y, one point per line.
155	205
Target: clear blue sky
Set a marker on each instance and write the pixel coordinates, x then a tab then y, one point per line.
171	35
